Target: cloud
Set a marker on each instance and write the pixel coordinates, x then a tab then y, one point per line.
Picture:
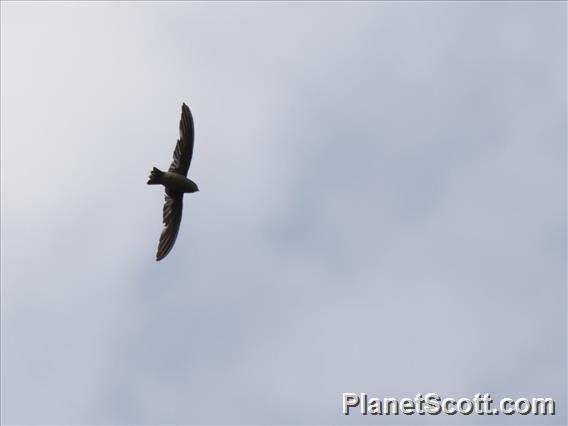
382	209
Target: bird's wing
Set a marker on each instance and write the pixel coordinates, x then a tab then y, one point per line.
172	219
184	147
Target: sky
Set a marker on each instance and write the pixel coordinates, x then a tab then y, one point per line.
382	209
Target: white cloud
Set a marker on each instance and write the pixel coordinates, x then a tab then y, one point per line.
386	165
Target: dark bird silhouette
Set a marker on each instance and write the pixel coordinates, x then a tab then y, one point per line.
176	183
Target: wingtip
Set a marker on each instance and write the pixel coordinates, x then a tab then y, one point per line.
160	256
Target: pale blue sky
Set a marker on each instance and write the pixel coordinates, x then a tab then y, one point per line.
382	209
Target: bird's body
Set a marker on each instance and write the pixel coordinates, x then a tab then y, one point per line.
176	183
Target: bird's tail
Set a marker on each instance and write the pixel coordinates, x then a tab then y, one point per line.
155	177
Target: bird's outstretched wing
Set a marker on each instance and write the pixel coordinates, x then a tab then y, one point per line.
184	147
172	220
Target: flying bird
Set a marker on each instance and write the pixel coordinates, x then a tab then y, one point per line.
176	183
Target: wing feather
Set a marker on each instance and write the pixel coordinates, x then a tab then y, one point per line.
184	147
172	218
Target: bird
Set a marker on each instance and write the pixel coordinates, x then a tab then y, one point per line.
176	183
